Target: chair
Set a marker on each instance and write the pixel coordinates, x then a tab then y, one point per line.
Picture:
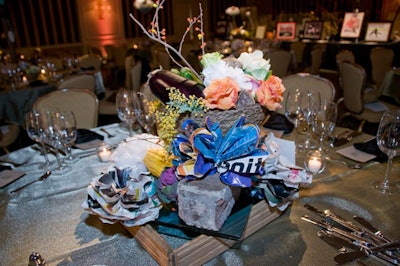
306	81
354	80
381	62
280	61
82	102
298	49
78	81
8	135
90	61
316	59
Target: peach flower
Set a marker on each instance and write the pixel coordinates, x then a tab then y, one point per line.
269	94
221	94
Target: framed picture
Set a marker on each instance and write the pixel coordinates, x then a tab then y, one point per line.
352	25
312	30
378	31
285	30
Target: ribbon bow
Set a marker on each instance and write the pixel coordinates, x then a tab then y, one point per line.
235	156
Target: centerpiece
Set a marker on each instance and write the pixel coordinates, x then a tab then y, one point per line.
209	150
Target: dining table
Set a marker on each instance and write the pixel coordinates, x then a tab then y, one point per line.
47	217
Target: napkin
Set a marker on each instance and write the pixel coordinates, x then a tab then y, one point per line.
371	147
85	135
7	176
279	122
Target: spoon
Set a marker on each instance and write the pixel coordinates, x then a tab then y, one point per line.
41	178
108	133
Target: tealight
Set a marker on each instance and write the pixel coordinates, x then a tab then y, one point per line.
104	153
314	162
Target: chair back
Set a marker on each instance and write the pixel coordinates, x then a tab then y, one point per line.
344	55
354	81
316	60
129	62
78	81
381	62
306	81
9	133
280	61
83	103
90	61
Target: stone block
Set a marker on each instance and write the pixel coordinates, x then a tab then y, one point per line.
205	203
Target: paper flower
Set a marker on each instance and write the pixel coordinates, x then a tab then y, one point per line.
250	71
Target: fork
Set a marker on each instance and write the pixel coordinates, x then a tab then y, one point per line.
349	165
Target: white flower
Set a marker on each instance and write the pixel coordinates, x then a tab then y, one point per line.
255	64
221	70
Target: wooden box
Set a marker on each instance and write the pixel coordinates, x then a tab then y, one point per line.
202	248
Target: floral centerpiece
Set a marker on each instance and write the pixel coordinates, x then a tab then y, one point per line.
217	137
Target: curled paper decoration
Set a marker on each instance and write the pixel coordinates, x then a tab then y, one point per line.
235	156
121	195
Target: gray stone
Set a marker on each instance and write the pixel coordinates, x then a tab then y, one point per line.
205	203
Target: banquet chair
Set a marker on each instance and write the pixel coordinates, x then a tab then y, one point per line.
78	81
381	62
354	80
9	133
280	62
316	59
82	102
306	81
298	49
135	73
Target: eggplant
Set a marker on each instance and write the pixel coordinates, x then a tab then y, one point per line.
160	80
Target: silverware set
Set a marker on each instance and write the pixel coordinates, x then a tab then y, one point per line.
354	242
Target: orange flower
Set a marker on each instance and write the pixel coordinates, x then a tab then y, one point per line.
269	94
221	94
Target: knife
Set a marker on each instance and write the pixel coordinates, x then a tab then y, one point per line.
41	178
370	227
350	256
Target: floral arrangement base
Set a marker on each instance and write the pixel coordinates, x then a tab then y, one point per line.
202	248
255	114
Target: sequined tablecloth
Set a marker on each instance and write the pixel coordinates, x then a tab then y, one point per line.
47	217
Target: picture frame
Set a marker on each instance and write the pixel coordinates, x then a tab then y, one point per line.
378	31
285	30
352	25
312	30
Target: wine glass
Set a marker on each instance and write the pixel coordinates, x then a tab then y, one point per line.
309	104
388	140
35	133
324	122
145	117
292	107
69	135
125	109
53	126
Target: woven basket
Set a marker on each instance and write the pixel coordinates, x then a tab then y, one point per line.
226	118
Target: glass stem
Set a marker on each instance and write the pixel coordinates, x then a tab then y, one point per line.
385	182
69	152
46	157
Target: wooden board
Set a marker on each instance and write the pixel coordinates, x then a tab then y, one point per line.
202	248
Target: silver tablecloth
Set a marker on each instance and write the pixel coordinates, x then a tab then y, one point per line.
47	217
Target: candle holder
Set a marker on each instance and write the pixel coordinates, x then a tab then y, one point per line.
315	162
104	153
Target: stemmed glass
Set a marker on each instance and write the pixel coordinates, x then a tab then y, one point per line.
53	126
388	140
324	122
309	104
125	108
293	110
34	131
144	116
69	135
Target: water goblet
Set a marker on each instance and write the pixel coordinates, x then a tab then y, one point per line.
53	127
69	135
125	109
293	111
35	133
388	140
324	122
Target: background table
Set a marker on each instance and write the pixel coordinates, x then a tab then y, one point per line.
14	104
47	217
